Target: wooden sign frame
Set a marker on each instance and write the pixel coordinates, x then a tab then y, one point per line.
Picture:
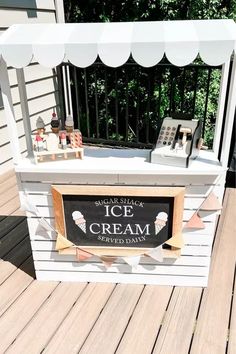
58	191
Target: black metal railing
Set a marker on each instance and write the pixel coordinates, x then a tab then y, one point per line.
125	106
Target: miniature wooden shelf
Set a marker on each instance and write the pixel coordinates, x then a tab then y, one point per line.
40	155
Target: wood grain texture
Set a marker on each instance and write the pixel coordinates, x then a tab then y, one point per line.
142	330
13	260
232	325
113	320
38	332
22	311
77	325
178	326
212	325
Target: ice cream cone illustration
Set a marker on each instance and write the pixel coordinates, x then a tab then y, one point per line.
160	222
79	220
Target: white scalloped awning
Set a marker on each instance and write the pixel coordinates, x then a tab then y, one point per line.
147	42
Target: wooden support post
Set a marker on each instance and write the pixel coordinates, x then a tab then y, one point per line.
25	111
229	119
221	106
9	113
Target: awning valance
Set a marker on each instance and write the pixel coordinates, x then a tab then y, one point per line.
147	42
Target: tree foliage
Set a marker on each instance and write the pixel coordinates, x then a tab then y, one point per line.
145	96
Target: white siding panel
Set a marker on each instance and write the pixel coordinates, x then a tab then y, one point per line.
10	16
29	4
32	72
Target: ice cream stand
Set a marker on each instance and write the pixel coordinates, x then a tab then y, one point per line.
121	215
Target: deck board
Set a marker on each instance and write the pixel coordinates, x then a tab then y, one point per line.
113	320
22	311
77	325
177	330
232	327
213	320
51	317
144	325
54	310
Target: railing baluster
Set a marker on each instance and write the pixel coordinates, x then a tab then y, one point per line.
195	90
77	103
106	105
126	106
86	102
137	107
148	108
116	105
182	91
96	103
206	101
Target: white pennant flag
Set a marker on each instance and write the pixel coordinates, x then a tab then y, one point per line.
43	222
156	253
132	261
27	206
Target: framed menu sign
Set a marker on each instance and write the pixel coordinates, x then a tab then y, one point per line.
117	220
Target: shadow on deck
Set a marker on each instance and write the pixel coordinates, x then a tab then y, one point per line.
53	317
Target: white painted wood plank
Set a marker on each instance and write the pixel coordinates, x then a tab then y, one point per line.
183	260
186	250
46	200
8	17
121	268
123	278
191	191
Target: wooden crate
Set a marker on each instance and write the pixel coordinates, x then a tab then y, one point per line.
190	269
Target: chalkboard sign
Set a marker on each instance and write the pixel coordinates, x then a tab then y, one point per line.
117	220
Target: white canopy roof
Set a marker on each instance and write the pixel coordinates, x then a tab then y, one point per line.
80	44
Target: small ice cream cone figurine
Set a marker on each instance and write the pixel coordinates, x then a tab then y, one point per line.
69	124
79	220
55	124
160	222
40	125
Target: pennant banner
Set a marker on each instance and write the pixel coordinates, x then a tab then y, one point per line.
27	206
195	222
108	260
43	222
156	253
211	203
82	255
62	243
176	241
133	261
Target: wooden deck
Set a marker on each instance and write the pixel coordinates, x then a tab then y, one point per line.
52	317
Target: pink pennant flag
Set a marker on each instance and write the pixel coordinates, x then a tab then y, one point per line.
211	203
82	255
156	253
195	222
108	260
